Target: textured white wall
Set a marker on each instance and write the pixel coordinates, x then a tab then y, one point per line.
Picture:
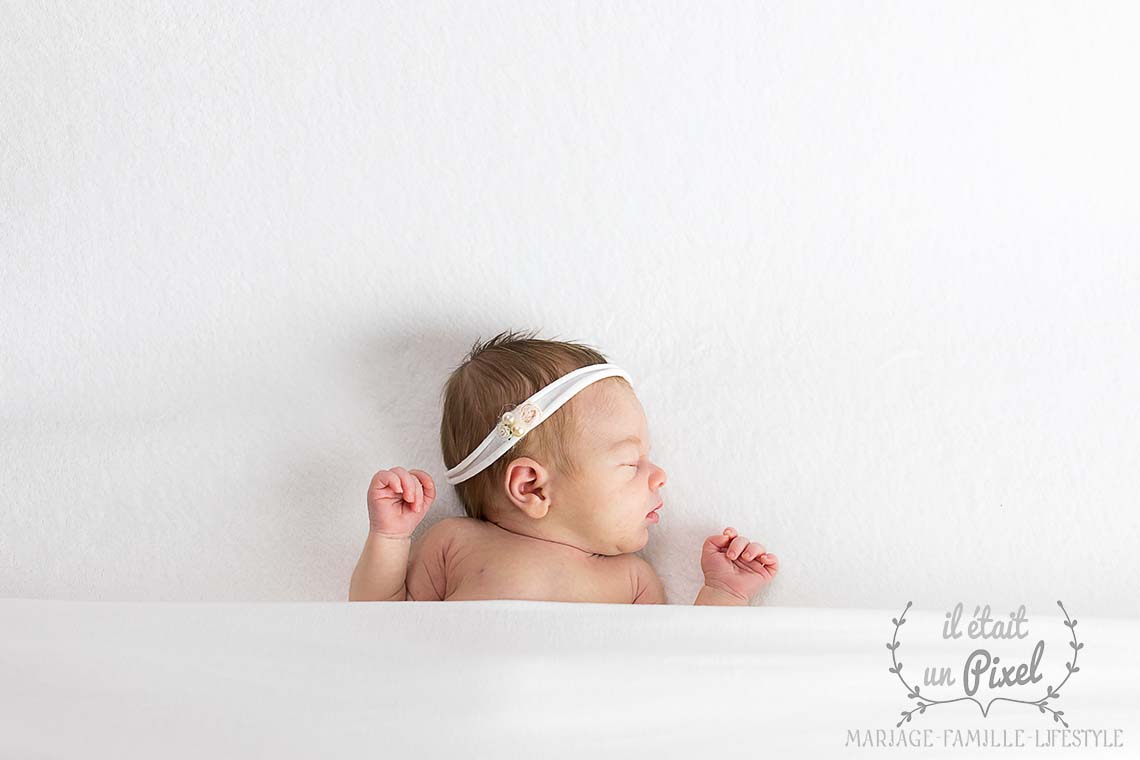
873	267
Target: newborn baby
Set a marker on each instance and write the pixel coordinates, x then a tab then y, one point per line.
558	495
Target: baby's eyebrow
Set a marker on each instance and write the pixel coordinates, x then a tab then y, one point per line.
623	441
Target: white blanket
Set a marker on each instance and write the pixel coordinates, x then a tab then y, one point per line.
509	678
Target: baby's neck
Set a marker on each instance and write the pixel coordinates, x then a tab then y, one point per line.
552	543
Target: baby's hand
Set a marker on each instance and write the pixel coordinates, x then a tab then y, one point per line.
398	500
734	565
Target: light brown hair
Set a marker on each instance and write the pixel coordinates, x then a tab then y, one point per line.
495	376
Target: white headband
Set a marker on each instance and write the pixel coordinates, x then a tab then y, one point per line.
527	416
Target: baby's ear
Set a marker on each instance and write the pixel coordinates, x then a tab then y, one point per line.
527	484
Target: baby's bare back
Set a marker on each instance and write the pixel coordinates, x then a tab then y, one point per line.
484	561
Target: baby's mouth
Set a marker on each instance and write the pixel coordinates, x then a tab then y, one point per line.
647	514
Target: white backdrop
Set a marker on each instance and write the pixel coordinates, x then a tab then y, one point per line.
874	270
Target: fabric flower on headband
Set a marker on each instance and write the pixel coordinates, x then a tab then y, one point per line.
519	421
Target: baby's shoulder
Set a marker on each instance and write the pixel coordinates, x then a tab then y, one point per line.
453	523
432	559
442	533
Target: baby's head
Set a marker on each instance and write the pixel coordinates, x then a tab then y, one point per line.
579	477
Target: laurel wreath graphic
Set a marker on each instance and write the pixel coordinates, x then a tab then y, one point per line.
924	702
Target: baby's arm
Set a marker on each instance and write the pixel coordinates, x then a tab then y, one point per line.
713	596
386	574
381	570
397	502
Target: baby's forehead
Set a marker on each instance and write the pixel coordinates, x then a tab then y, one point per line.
611	414
608	400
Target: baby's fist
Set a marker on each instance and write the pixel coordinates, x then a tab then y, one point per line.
398	500
736	565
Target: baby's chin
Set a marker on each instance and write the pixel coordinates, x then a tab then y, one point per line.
624	544
618	540
636	541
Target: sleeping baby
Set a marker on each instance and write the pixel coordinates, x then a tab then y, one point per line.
558	495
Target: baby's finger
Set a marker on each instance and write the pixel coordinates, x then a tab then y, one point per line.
419	505
382	485
407	484
720	541
427	483
413	486
766	565
737	546
379	484
752	551
394	483
724	539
